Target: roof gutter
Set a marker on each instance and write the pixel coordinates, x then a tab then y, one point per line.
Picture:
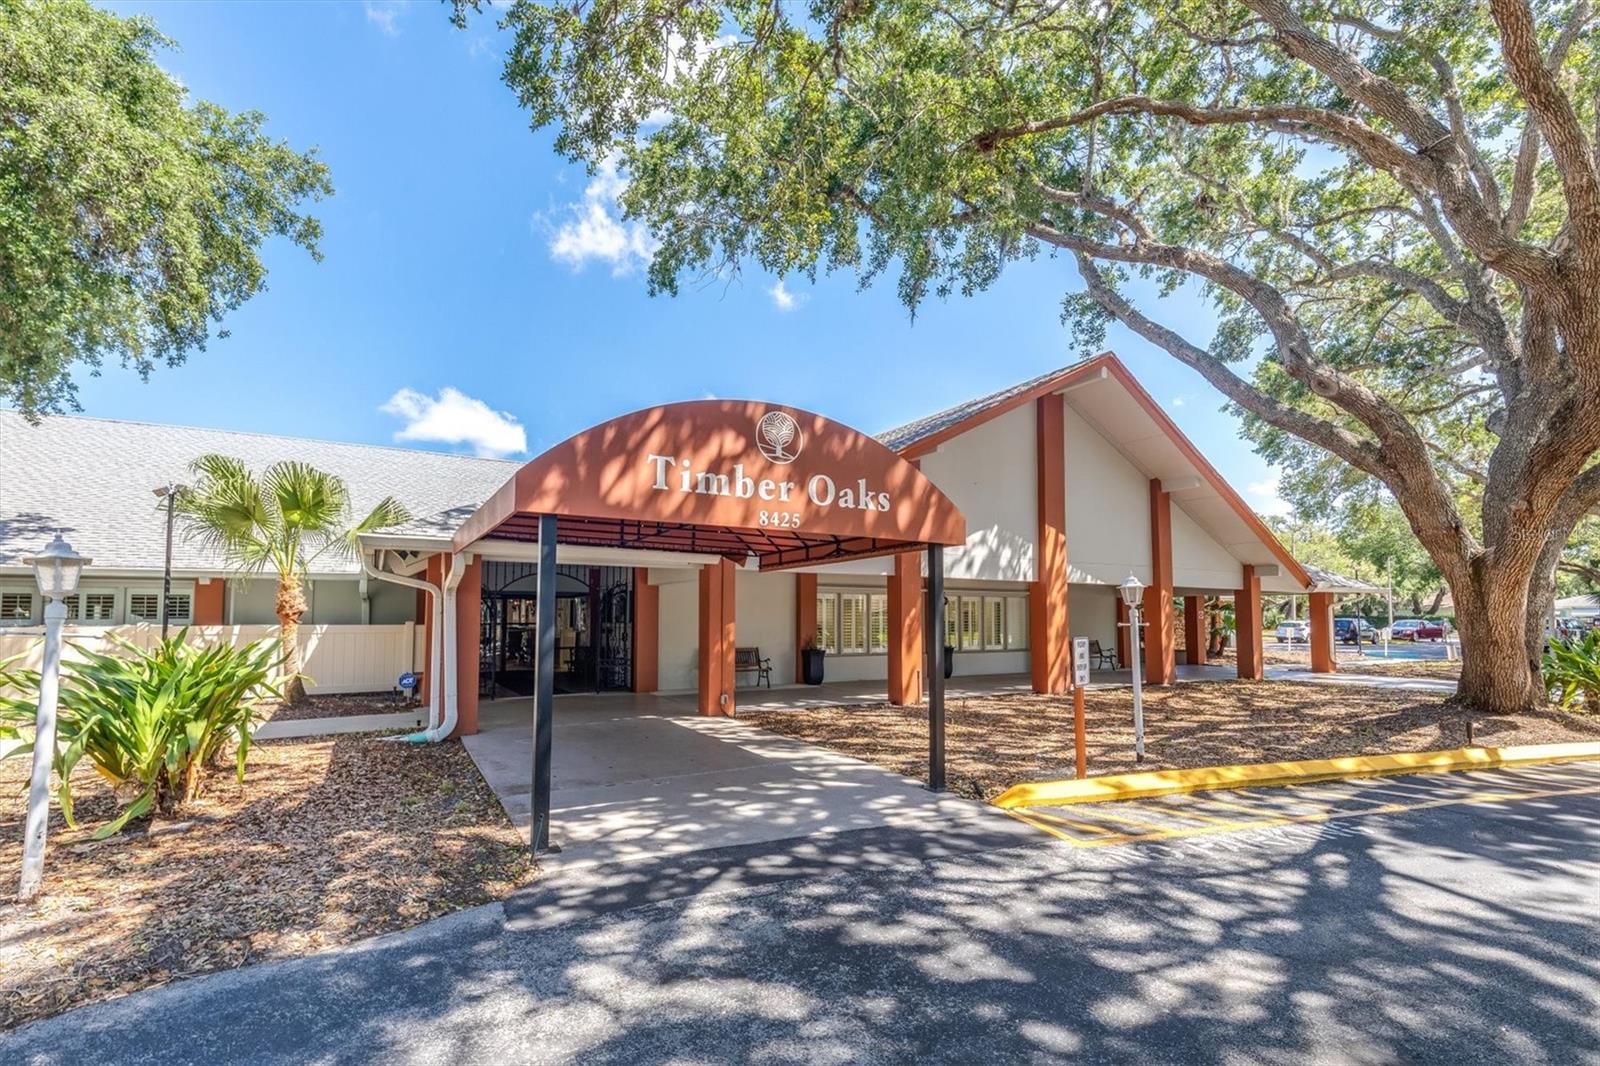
436	608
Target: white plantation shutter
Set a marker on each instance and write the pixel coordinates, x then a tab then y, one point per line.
878	627
852	623
971	622
16	608
827	622
994	623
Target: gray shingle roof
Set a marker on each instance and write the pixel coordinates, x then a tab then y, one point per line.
1328	581
903	437
92	478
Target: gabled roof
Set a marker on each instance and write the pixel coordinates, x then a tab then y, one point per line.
1328	581
1107	396
92	478
963	416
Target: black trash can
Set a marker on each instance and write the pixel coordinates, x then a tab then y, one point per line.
811	665
949	660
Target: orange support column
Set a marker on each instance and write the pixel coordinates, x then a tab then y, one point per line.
905	629
716	638
469	624
1194	630
209	601
646	632
1160	639
1122	634
1049	633
1323	659
1247	625
805	621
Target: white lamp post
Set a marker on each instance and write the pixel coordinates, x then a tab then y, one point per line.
1133	598
56	571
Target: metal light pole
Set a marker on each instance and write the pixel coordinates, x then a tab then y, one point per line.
168	492
1133	598
56	571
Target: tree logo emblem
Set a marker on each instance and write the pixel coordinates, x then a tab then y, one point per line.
778	437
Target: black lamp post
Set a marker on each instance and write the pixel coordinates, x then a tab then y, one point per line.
169	493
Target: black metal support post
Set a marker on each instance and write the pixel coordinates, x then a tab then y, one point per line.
166	572
933	640
544	684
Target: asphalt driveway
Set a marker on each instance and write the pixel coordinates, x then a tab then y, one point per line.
1461	932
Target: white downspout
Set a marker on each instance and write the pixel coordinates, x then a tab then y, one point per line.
434	646
459	561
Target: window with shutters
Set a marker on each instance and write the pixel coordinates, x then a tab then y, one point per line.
16	608
971	623
146	607
852	623
952	621
827	622
92	607
994	623
878	625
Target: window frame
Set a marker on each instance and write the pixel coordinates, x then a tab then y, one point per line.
173	618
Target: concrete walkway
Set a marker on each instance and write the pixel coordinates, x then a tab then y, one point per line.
644	777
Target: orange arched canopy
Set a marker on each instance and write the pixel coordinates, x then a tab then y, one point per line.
725	477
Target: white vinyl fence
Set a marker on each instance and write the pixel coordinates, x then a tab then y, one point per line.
336	658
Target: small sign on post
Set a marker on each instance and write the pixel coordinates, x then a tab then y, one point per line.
1080	661
1080	679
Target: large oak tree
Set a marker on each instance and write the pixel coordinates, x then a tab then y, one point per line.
131	218
1395	208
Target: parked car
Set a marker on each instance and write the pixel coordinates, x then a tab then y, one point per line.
1295	631
1405	628
1354	631
1431	630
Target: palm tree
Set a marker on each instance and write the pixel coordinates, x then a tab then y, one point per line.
286	519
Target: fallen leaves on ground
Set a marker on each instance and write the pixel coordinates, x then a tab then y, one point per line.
994	742
326	842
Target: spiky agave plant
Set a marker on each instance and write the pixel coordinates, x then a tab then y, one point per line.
284	520
150	722
1572	668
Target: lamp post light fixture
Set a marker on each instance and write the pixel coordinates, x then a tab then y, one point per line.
56	571
168	492
1133	598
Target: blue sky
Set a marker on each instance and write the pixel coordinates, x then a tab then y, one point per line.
463	254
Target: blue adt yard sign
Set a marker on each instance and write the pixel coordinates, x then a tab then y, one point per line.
408	680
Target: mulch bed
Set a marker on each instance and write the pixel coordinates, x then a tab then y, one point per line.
340	706
327	841
995	742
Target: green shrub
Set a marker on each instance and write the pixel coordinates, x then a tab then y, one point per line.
1572	667
149	722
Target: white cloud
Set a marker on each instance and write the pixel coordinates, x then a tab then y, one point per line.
1177	401
1265	499
783	299
456	418
596	230
382	14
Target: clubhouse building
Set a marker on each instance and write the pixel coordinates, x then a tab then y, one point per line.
692	543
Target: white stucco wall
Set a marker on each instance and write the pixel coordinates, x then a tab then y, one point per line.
764	610
678	633
1092	613
988	473
1108	510
1198	561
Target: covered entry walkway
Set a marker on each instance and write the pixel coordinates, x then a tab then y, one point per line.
637	777
737	485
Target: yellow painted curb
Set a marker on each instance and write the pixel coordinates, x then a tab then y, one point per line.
1257	775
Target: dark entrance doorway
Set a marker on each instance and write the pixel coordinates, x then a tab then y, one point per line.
593	629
